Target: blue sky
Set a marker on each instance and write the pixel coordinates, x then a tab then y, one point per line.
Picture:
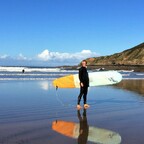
59	32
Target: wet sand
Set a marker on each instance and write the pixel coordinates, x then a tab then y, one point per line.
28	109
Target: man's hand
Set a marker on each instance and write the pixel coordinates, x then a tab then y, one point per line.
81	84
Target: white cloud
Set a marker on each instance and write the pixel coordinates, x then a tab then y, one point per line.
86	51
76	57
45	55
4	56
21	57
18	57
47	58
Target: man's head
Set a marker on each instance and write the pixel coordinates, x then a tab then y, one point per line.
84	63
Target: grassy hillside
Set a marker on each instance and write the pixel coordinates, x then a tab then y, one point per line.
133	56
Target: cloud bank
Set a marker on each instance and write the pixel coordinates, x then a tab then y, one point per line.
76	57
47	58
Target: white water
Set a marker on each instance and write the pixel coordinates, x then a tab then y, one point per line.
37	73
28	69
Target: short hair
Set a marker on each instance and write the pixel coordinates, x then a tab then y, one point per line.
84	61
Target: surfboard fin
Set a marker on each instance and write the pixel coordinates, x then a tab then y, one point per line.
56	87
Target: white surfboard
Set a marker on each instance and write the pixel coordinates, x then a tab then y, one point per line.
95	79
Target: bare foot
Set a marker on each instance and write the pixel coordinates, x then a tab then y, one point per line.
86	106
79	107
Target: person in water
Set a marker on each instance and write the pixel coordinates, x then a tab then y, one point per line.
84	84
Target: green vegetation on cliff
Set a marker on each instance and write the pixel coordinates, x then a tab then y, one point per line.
133	56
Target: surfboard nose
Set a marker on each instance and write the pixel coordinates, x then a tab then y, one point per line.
118	77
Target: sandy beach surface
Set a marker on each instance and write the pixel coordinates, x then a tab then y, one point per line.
28	109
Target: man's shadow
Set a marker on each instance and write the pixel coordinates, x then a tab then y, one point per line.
84	127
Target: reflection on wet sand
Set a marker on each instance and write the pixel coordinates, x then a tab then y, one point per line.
84	128
44	85
132	85
83	133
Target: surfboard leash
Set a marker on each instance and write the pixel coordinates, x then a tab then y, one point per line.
57	97
60	101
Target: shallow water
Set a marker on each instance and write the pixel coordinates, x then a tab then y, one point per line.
28	108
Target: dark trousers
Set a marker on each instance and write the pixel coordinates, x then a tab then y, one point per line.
83	92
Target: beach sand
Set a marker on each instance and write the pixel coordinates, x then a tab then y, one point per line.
28	109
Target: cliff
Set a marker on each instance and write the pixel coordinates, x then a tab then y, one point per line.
133	56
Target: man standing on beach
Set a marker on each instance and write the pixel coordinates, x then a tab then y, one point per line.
84	84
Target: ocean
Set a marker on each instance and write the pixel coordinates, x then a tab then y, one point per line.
30	105
39	73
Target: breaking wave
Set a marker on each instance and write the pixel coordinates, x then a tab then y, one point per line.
42	73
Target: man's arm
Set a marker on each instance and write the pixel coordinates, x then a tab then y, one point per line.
81	76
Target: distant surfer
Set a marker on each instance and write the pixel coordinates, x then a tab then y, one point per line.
23	71
84	84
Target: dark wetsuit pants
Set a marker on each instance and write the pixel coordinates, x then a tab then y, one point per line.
83	92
